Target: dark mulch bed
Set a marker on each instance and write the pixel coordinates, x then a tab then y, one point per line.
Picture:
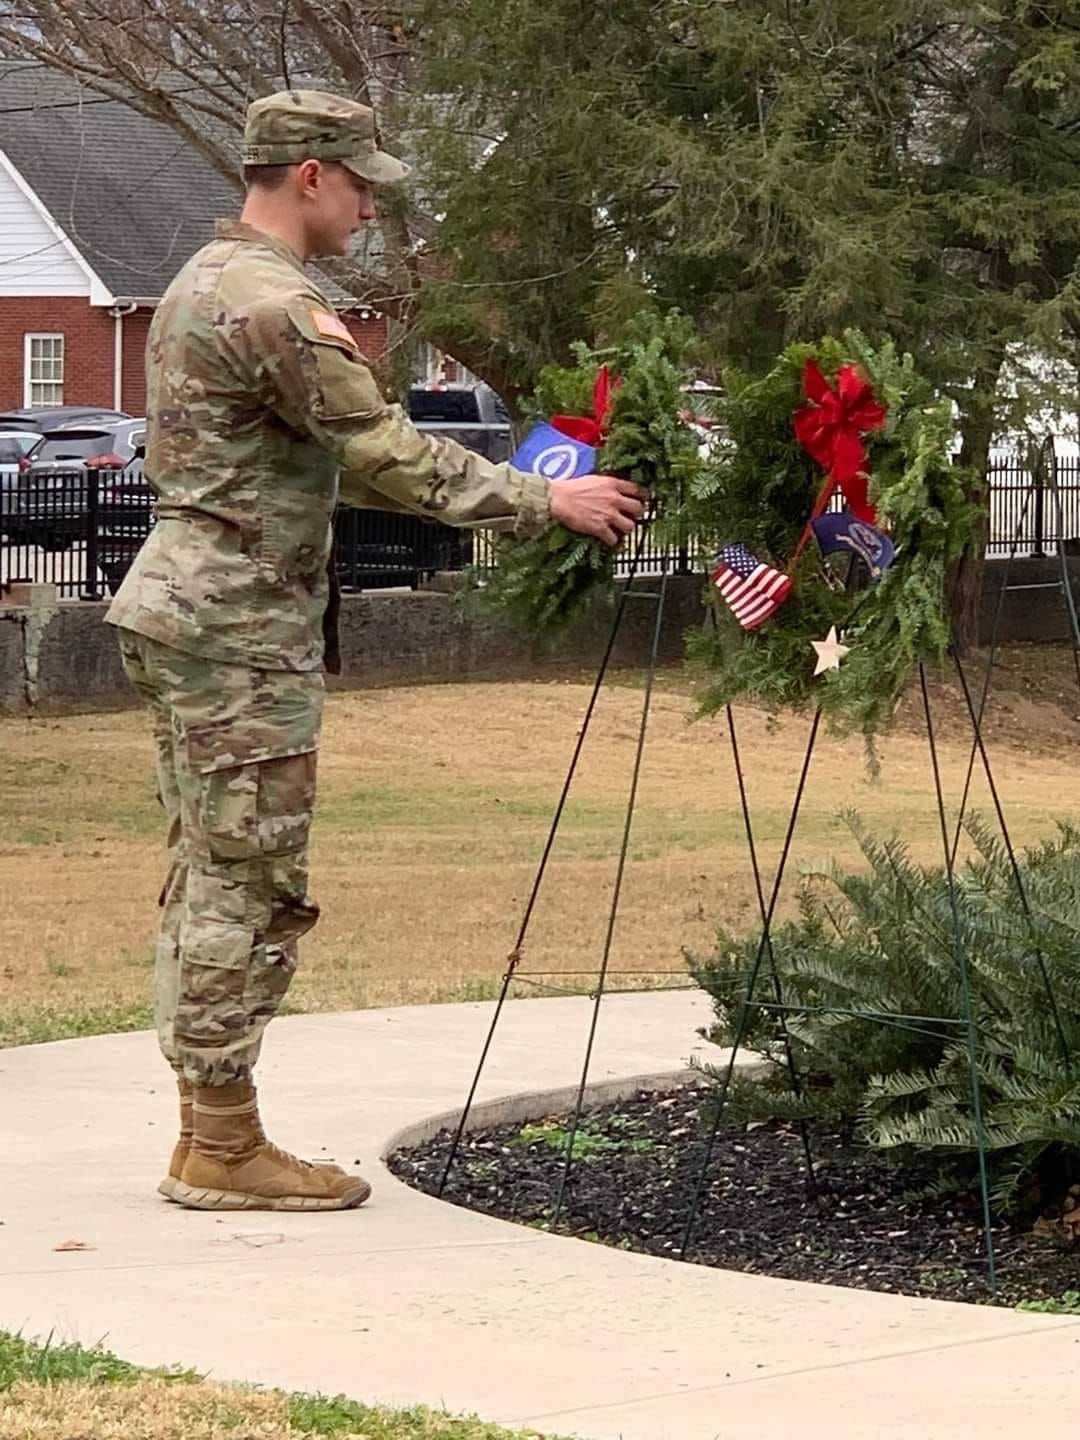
634	1179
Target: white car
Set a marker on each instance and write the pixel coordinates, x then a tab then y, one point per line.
14	445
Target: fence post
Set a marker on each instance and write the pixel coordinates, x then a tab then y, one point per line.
1037	549
682	556
91	533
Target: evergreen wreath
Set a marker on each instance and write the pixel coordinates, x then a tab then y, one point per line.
760	487
546	583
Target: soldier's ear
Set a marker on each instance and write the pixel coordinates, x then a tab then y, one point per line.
309	175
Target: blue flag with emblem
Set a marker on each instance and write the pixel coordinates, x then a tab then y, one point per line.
845	533
546	451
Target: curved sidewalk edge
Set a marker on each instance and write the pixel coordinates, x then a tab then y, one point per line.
410	1300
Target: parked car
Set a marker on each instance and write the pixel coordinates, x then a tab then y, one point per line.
473	415
14	444
125	519
101	444
50	417
53	496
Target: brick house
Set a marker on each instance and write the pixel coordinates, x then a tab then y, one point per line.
99	208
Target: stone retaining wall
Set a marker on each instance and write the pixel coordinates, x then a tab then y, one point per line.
57	657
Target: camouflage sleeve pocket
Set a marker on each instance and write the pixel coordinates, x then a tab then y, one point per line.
339	382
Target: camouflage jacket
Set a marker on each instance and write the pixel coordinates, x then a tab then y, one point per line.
262	415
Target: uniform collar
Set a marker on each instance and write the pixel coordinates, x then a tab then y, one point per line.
239	230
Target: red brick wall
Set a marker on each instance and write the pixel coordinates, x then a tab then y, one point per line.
370	332
88	346
136	327
370	335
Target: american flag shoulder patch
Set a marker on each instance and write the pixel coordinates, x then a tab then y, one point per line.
333	327
752	590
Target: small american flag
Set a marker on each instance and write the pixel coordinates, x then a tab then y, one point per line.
753	591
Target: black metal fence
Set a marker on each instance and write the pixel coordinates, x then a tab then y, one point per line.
1034	501
51	530
80	530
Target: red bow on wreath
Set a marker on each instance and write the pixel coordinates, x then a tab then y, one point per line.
831	429
591	429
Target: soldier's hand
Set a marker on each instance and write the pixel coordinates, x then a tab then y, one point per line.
602	506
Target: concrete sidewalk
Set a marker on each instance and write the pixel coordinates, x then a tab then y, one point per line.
409	1300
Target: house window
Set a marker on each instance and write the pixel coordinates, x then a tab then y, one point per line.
43	370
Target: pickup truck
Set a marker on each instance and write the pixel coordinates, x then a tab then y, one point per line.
473	415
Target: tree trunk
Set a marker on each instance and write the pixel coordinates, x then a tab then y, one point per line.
964	582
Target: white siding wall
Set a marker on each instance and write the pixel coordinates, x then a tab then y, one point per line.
33	261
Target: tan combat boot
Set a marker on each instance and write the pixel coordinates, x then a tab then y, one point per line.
232	1166
183	1145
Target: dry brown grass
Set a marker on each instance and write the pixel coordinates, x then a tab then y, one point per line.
148	1408
56	1390
164	1409
434	806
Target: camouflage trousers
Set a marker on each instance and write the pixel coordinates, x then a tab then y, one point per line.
236	758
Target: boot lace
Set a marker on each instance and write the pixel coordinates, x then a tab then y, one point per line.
292	1162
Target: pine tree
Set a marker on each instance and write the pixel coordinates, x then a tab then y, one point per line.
775	169
778	172
878	1019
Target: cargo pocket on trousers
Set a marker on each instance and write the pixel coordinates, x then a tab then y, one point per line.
253	809
256	782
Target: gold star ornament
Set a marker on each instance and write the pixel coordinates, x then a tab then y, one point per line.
829	652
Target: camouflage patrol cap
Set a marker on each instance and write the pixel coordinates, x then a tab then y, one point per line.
297	125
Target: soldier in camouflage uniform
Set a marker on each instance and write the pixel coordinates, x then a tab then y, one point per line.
262	416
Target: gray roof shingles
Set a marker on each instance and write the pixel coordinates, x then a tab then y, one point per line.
130	194
133	197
